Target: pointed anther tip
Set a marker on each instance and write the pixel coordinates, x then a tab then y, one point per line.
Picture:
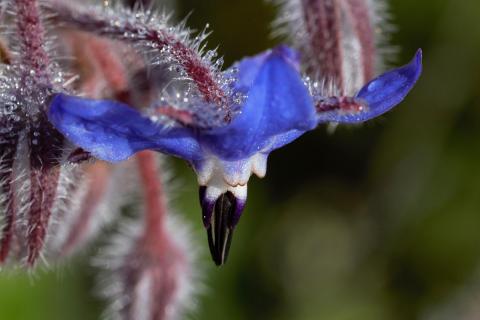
220	218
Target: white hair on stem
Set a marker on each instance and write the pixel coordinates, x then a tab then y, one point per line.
142	281
291	23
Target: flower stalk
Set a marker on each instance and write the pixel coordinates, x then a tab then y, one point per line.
153	35
30	184
149	267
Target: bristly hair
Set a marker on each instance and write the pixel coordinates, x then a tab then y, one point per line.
116	257
132	271
384	27
161	43
31	149
93	202
353	39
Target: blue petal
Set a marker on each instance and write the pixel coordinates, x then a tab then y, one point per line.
113	131
248	68
381	94
278	102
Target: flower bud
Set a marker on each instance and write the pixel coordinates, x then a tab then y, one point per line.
339	39
149	268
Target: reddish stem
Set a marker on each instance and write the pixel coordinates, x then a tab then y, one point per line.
98	65
45	151
43	191
159	258
128	27
155	200
108	64
44	141
99	174
31	35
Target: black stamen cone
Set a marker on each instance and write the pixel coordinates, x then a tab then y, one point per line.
220	230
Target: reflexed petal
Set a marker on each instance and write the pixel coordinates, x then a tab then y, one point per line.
278	102
113	131
378	96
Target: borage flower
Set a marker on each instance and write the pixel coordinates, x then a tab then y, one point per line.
278	109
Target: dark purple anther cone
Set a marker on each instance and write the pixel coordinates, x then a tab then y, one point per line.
220	217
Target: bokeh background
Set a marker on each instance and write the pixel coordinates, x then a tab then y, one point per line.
374	222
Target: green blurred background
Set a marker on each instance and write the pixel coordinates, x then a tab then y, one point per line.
374	222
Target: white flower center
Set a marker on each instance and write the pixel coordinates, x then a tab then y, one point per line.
221	176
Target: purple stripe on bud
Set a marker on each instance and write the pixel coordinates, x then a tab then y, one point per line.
336	37
324	51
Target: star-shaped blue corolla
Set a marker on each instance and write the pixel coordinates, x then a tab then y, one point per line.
278	109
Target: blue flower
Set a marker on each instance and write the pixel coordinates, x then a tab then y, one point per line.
278	109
